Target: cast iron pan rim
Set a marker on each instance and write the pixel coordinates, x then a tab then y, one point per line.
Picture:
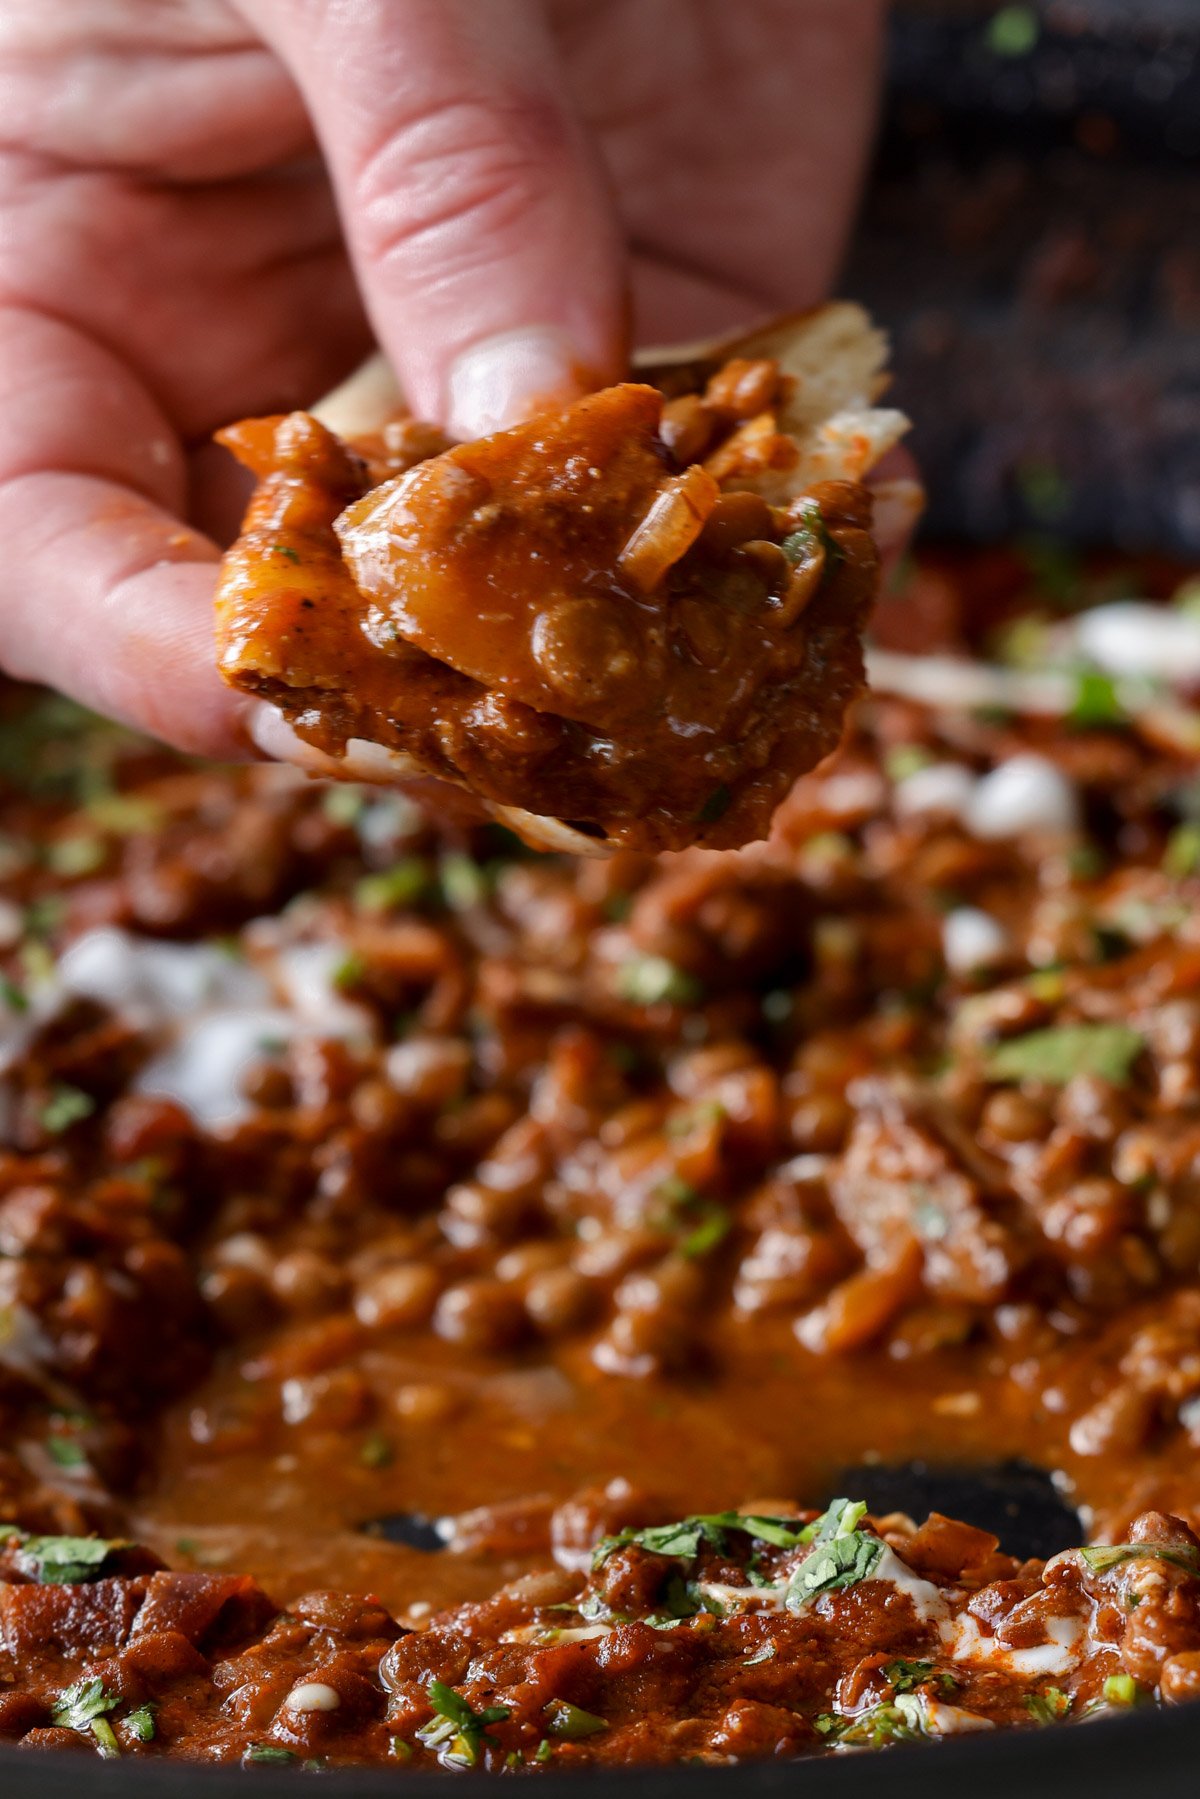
1101	1760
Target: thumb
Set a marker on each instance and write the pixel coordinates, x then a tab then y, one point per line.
473	203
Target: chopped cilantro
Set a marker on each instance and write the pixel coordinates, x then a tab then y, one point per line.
810	535
841	1554
714	1226
828	846
905	1676
1047	984
44	916
75	856
66	1106
1049	1706
349	971
141	1722
1182	854
684	1538
705	1222
675	1192
63	1561
267	1755
377	1451
900	1720
83	1707
64	1453
571	1722
1085	862
704	1115
1012	31
464	883
1096	703
1057	1054
122	814
653	980
401	885
456	1730
905	759
344	804
14	997
285	549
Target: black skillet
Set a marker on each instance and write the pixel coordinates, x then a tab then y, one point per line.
1117	55
1109	1758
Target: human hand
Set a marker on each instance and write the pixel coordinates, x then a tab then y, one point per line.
209	209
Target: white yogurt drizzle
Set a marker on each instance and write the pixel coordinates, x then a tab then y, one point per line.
211	1013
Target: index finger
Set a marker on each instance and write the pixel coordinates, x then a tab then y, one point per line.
105	593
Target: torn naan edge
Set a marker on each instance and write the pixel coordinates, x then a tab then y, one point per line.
631	623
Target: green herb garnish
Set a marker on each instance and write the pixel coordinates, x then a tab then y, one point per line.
1049	1706
72	857
349	971
64	1453
141	1722
465	884
64	1561
701	1117
14	997
285	549
899	1720
906	759
1096	703
377	1451
124	813
905	1676
810	535
571	1722
1182	854
653	980
456	1730
401	885
705	1222
66	1106
267	1755
841	1556
714	1226
1058	1054
684	1538
344	805
83	1707
1013	31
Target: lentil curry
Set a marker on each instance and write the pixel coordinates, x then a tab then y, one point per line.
632	622
440	1239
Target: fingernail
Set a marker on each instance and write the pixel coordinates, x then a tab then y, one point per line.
274	738
502	380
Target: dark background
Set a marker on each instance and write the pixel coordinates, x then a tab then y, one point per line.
1031	239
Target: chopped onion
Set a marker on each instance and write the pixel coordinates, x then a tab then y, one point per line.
670	528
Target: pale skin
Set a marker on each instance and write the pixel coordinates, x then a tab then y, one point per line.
210	210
